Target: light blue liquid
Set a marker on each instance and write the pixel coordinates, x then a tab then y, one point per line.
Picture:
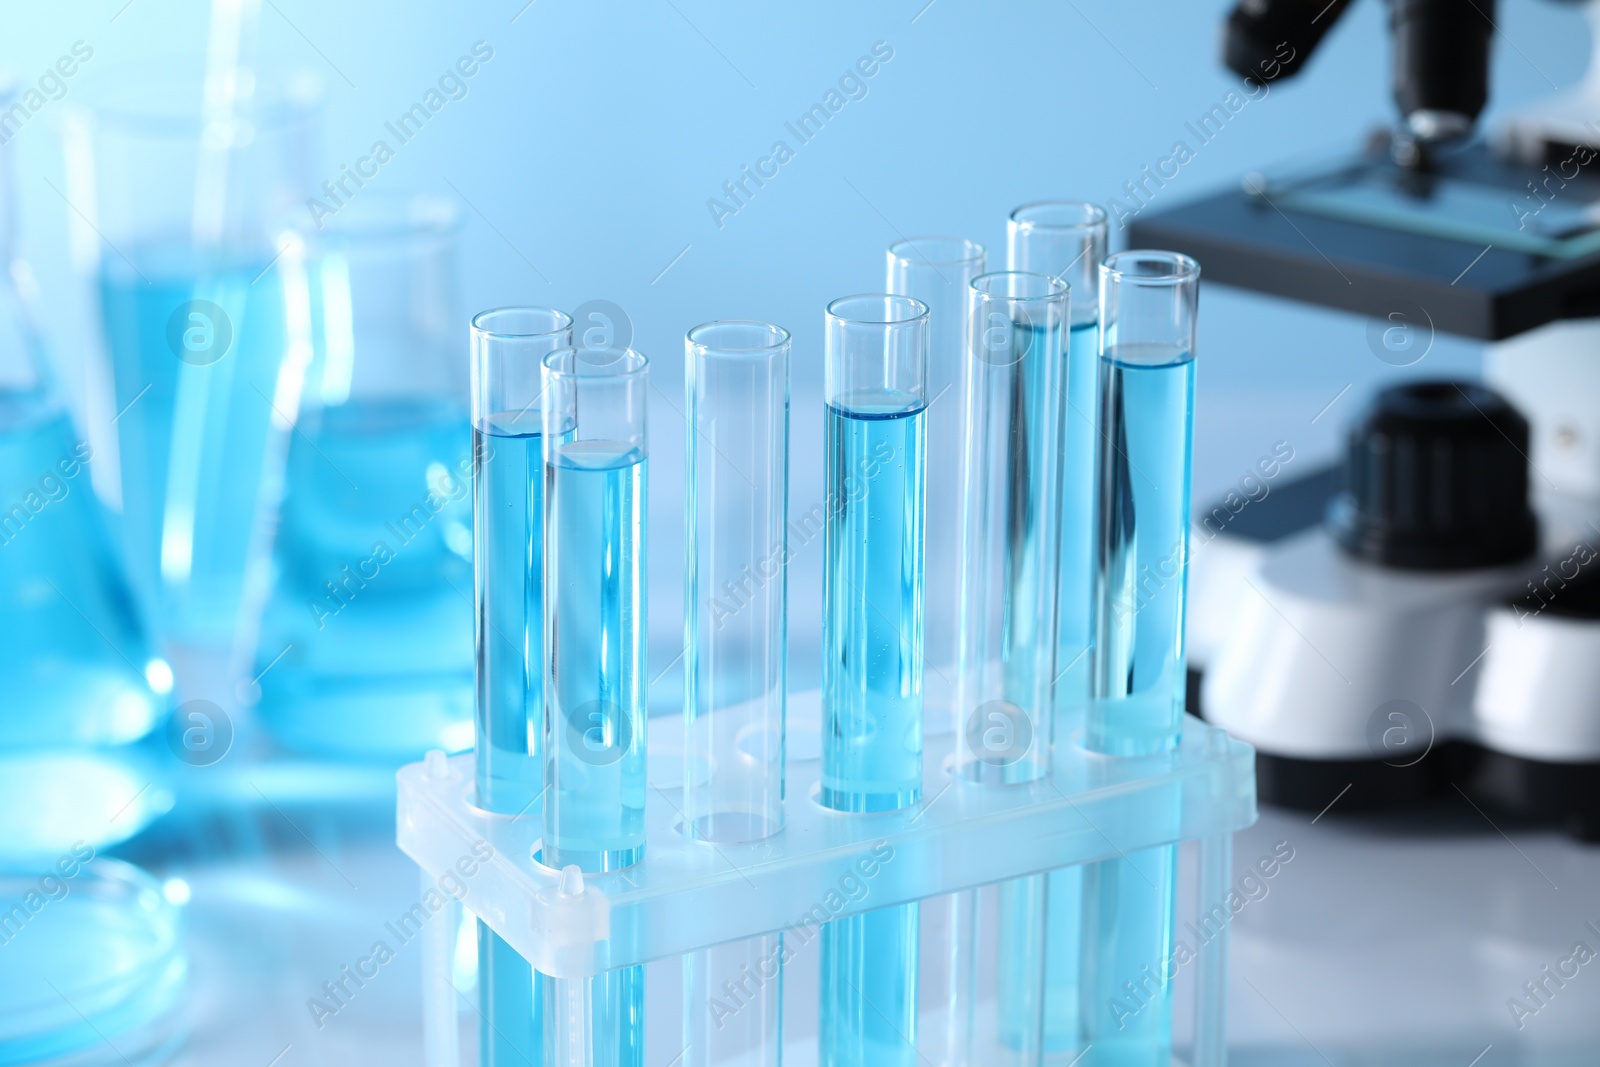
72	650
197	445
868	1001
510	995
366	646
872	604
1142	556
594	733
509	516
1147	415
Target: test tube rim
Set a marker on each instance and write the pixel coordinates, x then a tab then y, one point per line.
1059	289
1091	216
971	251
1181	269
562	322
915	309
637	364
780	338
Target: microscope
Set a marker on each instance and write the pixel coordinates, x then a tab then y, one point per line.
1423	618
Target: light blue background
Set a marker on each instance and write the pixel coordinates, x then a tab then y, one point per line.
586	150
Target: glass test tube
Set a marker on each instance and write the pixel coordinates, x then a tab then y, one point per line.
594	607
1010	545
1065	239
736	380
938	272
508	554
595	454
1148	310
508	345
875	385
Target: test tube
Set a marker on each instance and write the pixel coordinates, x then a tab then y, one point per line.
594	607
595	456
508	345
508	552
1010	545
875	386
1065	239
938	272
1148	311
736	383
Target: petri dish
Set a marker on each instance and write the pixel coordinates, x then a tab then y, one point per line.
94	965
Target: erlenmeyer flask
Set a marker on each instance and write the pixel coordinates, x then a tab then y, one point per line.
78	669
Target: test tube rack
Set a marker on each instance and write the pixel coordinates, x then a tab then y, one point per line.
688	895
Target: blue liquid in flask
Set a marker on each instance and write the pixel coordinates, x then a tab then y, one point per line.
872	605
197	342
76	661
367	645
595	698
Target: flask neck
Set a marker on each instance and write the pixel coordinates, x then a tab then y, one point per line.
23	366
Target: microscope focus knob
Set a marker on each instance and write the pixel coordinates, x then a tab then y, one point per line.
1436	478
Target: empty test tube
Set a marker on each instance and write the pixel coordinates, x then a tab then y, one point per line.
508	345
1065	239
1011	531
938	271
1015	394
875	385
736	384
1148	310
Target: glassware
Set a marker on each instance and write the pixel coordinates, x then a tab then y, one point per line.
595	455
366	642
173	188
736	382
508	346
1065	239
875	386
938	271
1148	310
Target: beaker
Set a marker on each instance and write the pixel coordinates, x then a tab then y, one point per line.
366	646
172	188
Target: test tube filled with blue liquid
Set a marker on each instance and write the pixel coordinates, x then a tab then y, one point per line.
875	387
736	391
595	452
508	348
1065	239
1148	310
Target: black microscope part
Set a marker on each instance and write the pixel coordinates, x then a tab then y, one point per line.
1436	478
